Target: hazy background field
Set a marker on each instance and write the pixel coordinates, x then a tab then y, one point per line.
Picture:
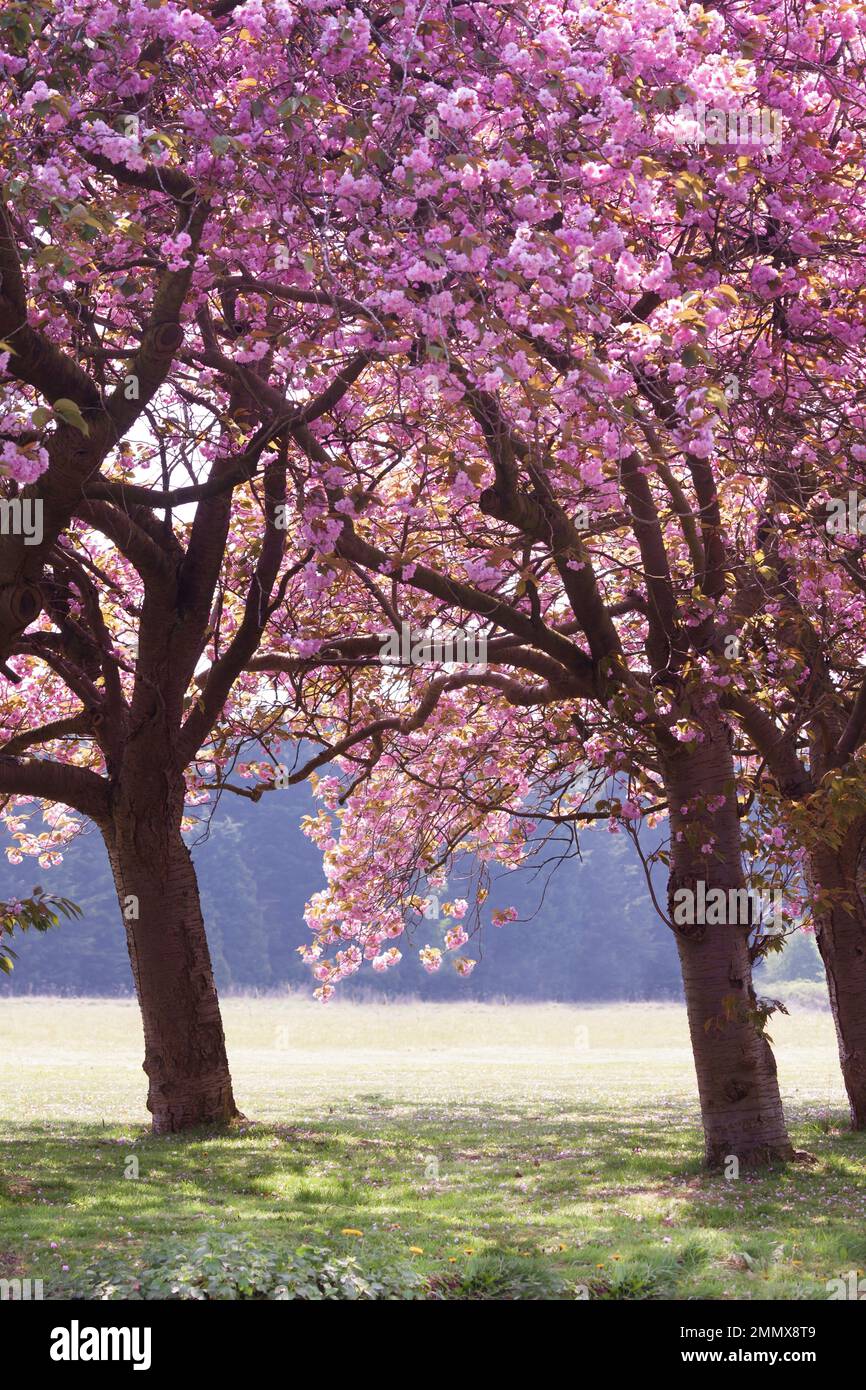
81	1058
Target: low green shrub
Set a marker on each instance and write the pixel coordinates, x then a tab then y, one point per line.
232	1267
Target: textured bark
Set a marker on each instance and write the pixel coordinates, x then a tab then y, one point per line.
840	928
185	1054
741	1106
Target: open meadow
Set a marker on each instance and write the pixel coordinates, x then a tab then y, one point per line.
471	1150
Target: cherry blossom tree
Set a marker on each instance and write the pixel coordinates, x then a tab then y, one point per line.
800	682
638	404
131	215
440	313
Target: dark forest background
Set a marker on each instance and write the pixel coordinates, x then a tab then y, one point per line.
591	933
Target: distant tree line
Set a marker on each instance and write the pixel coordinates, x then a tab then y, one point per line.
591	916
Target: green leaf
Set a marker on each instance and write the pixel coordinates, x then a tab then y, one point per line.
595	370
67	411
80	215
693	354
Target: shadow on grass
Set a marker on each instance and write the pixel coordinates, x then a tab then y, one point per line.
620	1201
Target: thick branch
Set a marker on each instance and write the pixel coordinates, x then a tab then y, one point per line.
132	542
75	725
77	787
773	744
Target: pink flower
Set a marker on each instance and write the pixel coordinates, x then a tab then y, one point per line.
431	958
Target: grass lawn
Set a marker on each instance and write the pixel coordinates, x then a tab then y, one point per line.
521	1150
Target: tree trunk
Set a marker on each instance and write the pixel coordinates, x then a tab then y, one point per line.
741	1106
840	930
185	1054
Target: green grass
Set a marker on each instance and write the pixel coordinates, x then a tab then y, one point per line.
529	1149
